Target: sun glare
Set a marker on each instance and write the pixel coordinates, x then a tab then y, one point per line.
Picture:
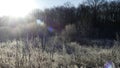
16	8
39	22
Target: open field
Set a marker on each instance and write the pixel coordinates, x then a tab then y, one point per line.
30	54
66	34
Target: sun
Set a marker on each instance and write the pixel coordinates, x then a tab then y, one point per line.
16	8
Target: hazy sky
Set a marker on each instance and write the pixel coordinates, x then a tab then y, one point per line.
51	3
20	8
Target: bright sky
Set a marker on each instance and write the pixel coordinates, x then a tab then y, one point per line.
20	8
16	8
51	3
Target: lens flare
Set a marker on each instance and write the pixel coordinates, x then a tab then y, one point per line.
109	65
39	22
50	29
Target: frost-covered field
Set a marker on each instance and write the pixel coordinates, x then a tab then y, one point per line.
30	54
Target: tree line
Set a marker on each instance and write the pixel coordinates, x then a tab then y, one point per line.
96	19
93	19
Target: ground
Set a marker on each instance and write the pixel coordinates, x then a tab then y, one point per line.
25	54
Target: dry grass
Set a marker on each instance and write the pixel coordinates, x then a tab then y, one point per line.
24	54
